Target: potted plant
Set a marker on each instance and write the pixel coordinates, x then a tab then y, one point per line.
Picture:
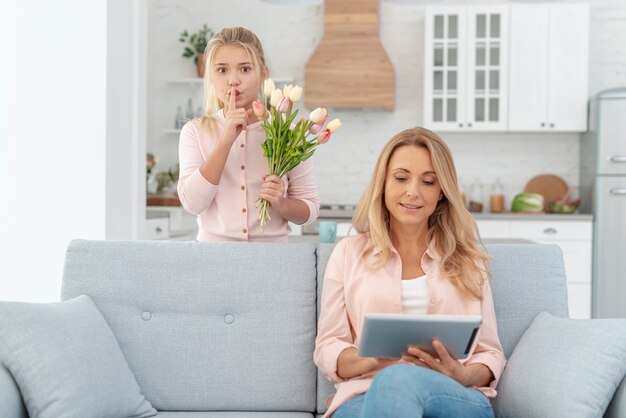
195	46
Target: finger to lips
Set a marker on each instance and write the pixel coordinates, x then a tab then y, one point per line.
232	103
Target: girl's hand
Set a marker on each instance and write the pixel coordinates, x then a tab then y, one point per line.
443	363
273	190
236	118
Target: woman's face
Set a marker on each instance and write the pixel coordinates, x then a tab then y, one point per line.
234	71
412	189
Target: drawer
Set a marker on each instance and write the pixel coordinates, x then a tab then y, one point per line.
157	228
552	230
494	229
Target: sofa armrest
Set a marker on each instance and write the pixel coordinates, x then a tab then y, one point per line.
11	403
617	407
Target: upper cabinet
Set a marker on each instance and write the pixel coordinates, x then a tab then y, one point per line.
549	67
465	72
520	67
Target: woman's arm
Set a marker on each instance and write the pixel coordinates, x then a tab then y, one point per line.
350	364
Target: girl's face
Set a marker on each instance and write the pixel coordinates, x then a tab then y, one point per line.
233	69
412	189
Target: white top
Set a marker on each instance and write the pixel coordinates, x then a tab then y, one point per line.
415	295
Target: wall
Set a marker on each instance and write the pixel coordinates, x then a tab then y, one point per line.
290	34
53	139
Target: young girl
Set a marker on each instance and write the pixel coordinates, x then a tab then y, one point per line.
417	252
222	166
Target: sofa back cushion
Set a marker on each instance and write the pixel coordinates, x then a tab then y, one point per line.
206	326
526	279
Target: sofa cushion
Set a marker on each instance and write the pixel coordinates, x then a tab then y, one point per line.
66	362
206	326
235	414
563	368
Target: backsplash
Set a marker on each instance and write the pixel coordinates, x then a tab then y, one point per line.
343	166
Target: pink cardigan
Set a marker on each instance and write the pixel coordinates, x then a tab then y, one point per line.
227	211
351	289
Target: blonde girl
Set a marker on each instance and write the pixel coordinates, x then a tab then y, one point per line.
222	167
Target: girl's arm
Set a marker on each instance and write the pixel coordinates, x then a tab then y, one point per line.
294	210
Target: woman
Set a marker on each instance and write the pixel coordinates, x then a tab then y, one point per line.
417	251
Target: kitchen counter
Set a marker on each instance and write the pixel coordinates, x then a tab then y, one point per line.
343	213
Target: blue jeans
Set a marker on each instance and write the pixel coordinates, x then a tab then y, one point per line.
405	391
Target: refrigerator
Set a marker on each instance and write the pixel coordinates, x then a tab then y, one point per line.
603	183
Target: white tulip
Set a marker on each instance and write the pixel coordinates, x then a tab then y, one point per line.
276	96
295	94
333	125
287	89
318	115
268	87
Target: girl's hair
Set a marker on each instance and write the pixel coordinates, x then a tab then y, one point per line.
451	227
237	36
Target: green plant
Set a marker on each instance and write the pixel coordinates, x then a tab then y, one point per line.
196	42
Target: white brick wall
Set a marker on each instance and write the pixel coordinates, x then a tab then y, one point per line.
344	165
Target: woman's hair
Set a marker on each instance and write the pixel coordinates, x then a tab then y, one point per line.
451	228
236	36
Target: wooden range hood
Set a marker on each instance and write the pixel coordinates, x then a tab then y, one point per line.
349	68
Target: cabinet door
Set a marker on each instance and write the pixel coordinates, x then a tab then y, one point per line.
568	68
487	69
444	65
528	67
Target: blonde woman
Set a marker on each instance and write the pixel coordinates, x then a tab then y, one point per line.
417	251
222	167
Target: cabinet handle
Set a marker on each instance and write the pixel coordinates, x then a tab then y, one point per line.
460	125
618	159
469	124
543	124
618	190
552	125
550	231
158	229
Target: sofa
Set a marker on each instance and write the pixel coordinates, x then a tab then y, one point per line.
221	330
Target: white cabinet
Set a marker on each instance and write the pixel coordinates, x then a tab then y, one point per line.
465	68
574	237
548	67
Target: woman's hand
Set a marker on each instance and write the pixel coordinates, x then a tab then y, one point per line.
350	364
236	118
273	190
444	363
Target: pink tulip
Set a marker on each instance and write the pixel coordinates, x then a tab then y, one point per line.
259	110
323	137
283	105
316	128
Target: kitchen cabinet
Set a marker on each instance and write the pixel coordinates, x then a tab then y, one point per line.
548	67
465	68
574	238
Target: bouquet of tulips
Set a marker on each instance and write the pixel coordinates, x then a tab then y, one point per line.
287	144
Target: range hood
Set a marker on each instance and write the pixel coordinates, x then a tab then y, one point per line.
349	68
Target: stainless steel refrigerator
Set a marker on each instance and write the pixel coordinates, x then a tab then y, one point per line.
603	181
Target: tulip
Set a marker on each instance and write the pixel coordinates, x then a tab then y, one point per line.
287	89
323	137
268	87
283	105
316	128
318	115
259	110
333	125
277	94
295	94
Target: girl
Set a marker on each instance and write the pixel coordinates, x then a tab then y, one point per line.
417	252
222	167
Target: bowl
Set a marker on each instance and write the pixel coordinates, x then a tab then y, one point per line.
566	207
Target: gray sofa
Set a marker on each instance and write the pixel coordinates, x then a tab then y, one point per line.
227	330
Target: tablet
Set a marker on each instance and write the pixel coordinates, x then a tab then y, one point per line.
388	335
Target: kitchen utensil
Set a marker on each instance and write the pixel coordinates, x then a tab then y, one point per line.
550	186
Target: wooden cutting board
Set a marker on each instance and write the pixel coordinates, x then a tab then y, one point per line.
550	186
349	68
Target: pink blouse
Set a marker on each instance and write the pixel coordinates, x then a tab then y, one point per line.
227	211
351	289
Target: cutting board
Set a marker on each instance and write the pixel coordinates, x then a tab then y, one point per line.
550	186
349	68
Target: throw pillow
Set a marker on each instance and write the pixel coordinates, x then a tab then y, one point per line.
563	368
66	361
